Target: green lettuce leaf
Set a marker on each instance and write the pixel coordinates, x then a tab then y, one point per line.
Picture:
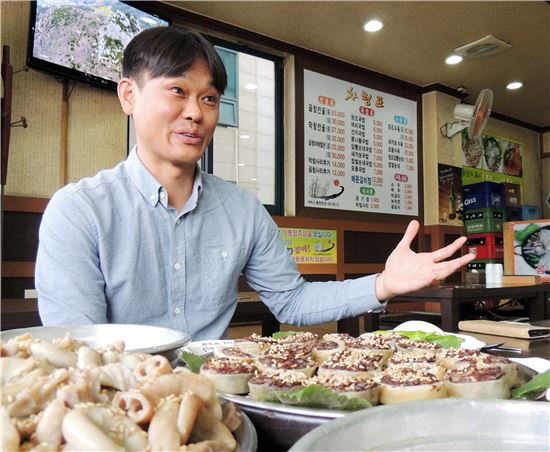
283	334
193	361
538	383
317	396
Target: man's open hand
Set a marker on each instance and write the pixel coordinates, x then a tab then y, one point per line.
407	271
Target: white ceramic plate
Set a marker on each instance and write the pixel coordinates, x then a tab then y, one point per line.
137	338
470	342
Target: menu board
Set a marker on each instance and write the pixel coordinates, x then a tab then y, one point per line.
360	148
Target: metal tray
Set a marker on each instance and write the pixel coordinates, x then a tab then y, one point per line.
445	424
279	426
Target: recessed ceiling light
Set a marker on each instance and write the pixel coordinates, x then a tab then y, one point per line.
373	25
453	59
241	164
251	86
244	136
253	178
514	85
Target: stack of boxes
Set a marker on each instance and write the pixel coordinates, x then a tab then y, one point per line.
484	215
512	202
514	210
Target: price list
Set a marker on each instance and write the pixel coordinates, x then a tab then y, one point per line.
359	148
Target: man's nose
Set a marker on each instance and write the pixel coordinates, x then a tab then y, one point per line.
192	110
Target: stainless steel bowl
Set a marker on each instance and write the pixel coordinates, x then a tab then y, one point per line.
445	424
137	338
246	436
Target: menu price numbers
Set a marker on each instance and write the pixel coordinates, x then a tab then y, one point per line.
337	122
337	147
338	155
337	130
338	173
337	139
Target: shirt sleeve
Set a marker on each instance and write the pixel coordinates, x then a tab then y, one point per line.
272	272
68	277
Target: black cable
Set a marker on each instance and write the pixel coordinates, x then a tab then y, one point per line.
484	306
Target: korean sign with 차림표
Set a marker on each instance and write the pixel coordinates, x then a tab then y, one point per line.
360	148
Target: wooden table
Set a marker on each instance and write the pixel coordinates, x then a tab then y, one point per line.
530	348
453	297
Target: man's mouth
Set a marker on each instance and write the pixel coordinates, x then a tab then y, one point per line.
189	137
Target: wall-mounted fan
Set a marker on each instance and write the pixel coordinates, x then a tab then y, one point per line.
472	116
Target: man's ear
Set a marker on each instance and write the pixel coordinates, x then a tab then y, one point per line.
127	94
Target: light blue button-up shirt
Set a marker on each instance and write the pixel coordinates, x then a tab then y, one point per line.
112	250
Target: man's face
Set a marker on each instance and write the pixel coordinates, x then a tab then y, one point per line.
174	117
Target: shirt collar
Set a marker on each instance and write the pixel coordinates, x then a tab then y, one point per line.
151	189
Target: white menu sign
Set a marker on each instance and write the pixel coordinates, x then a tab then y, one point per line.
360	148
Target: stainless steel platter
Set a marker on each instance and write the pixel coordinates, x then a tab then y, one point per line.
444	424
280	426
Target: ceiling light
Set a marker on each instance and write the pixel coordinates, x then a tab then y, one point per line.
514	85
251	86
253	179
453	59
373	25
244	136
241	164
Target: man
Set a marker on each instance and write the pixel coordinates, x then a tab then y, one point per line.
156	241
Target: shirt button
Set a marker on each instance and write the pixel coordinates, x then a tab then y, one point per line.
224	254
161	195
153	197
177	311
178	221
177	266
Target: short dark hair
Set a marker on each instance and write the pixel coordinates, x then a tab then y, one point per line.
169	52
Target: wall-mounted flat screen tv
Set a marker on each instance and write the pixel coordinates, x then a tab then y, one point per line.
85	39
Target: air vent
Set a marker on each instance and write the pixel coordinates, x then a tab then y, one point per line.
489	45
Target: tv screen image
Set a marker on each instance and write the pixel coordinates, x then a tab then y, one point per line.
85	39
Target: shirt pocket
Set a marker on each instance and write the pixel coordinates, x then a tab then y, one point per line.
221	266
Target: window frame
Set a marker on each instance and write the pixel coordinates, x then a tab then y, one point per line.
207	162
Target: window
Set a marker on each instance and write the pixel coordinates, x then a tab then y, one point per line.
247	144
